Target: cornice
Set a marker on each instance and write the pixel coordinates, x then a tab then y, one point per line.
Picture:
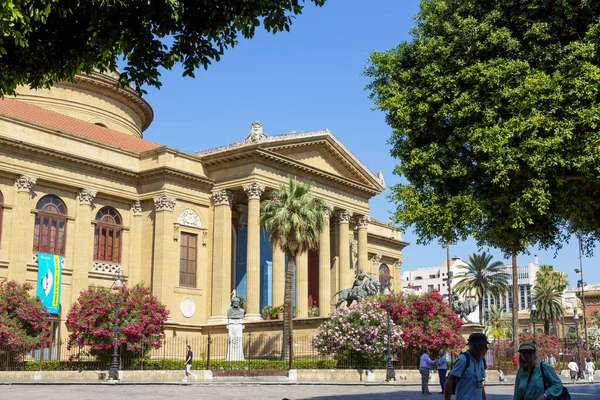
385	239
106	85
169	171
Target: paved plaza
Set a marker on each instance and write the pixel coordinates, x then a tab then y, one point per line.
249	391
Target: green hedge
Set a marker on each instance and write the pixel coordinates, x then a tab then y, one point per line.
171	365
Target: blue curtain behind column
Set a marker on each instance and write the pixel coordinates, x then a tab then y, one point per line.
240	267
266	270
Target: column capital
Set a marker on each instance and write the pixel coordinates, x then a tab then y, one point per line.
25	183
362	221
328	212
164	203
344	216
86	196
398	263
254	190
222	197
136	207
376	258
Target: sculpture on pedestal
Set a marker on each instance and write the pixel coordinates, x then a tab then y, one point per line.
235	348
359	290
463	307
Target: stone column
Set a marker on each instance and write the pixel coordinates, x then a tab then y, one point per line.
278	276
163	279
346	269
83	257
325	267
396	274
22	230
363	256
134	269
221	265
254	191
302	285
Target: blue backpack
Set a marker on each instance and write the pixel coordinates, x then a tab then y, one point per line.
565	395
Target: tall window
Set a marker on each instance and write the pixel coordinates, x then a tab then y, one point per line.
1	209
187	259
384	277
50	229
108	235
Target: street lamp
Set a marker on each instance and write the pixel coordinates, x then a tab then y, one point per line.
576	319
390	373
446	245
113	372
533	314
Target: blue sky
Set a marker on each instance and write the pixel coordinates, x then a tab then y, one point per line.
310	78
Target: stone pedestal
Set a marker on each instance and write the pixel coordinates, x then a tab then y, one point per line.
235	345
469	328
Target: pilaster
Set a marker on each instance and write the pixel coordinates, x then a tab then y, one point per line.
362	223
134	269
162	275
84	239
221	266
254	191
22	229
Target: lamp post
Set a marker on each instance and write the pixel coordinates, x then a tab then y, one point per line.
390	373
113	372
446	245
533	314
576	319
580	271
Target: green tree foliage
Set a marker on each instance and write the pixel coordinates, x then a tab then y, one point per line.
498	322
547	293
481	276
595	317
294	220
43	41
495	106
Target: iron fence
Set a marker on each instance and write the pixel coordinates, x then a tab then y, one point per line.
260	352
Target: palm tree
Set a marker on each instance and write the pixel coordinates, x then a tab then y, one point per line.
294	220
481	277
498	322
548	303
548	276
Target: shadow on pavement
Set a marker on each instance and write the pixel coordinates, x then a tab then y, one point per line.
402	394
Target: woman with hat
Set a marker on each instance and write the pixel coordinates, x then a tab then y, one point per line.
535	380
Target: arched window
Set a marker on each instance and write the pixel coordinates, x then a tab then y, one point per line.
1	209
107	235
50	231
384	277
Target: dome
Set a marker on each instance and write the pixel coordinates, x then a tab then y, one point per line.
96	99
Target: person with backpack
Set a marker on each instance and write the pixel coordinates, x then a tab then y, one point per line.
536	380
468	372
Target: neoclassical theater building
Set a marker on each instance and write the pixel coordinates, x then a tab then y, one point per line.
78	180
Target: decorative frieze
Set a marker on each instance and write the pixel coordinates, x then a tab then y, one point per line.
344	216
164	203
86	196
136	207
25	183
102	267
254	190
189	217
222	197
362	221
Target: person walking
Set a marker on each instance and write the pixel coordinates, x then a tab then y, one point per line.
468	371
188	365
442	366
535	380
574	369
590	369
552	361
425	364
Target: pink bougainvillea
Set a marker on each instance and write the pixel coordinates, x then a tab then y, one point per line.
546	345
427	321
141	319
23	324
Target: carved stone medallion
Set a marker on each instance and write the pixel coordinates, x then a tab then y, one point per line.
189	217
86	196
25	183
137	207
187	307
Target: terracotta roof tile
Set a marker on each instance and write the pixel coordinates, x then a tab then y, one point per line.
75	126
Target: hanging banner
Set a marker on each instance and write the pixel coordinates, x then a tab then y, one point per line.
49	281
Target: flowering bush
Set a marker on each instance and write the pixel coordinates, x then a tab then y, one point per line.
23	324
546	345
426	321
361	328
141	318
594	338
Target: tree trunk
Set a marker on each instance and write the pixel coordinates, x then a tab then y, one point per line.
546	327
515	305
287	351
481	321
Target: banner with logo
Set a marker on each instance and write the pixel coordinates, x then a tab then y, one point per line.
49	281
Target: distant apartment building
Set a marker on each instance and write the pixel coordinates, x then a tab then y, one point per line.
435	278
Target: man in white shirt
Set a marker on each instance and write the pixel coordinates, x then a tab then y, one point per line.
574	368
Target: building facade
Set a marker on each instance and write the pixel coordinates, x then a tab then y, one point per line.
78	180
